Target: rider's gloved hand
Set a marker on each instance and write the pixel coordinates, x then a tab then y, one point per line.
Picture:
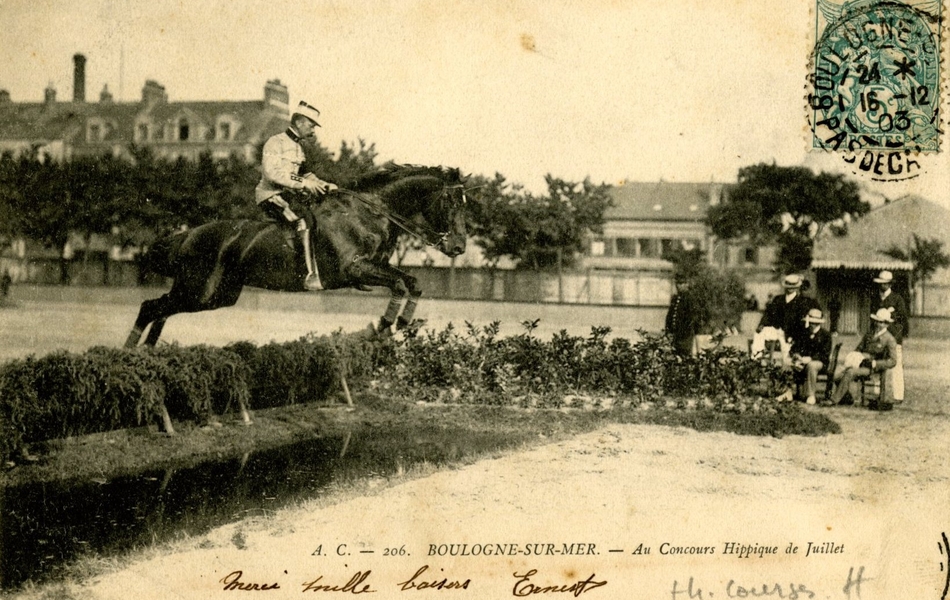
313	185
317	186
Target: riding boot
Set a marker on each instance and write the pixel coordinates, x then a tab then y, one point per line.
312	282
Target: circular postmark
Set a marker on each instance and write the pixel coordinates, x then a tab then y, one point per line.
874	92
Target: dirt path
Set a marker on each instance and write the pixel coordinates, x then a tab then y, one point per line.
880	490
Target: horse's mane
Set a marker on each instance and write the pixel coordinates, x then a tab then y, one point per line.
391	172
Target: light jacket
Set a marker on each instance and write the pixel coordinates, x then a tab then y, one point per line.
281	165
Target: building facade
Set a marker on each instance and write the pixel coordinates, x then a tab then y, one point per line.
61	130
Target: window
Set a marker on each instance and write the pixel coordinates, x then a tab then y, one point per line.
95	132
142	132
649	248
627	247
224	131
668	247
183	130
597	248
751	255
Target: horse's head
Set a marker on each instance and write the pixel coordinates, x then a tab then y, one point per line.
447	213
437	194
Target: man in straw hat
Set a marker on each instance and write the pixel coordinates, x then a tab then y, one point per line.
782	319
894	302
810	354
282	174
876	352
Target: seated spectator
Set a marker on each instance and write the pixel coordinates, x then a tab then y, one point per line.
876	352
782	320
809	355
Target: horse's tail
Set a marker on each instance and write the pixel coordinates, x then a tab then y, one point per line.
162	256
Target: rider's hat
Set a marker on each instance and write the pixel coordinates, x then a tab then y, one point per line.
305	110
814	316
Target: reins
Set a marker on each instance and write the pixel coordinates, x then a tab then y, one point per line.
423	233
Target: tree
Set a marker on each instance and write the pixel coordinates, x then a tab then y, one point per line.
719	296
351	163
788	206
97	188
927	256
10	222
537	232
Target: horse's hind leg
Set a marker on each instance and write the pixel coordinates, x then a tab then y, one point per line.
155	331
154	312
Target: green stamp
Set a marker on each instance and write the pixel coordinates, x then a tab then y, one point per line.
875	83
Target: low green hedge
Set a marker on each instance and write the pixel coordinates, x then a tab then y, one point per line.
66	394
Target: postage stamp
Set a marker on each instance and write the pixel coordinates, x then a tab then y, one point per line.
874	83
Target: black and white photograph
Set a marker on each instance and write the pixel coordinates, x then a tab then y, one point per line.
475	299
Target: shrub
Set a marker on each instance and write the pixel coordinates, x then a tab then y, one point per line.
480	367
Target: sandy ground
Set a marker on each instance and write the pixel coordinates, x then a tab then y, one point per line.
877	497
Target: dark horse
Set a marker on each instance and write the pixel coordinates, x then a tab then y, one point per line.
354	237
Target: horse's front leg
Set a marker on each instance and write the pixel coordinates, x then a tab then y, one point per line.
398	291
400	285
409	310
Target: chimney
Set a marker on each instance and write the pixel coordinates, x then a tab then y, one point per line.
276	95
4	97
153	93
49	94
79	78
105	96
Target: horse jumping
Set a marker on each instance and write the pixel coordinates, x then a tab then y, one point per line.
355	236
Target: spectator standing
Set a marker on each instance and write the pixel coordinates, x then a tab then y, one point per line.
683	318
876	352
888	299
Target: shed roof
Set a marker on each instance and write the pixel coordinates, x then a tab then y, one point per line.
892	224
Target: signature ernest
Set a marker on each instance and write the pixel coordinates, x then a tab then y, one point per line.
527	583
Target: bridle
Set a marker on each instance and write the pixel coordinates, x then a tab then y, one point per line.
428	235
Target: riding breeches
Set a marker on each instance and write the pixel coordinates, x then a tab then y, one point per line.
279	209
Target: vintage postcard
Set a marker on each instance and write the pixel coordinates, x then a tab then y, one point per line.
666	103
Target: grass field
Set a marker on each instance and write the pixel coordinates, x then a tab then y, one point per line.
47	318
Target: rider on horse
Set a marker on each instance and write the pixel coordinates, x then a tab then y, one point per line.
282	172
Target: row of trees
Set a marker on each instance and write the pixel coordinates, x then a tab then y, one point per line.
139	198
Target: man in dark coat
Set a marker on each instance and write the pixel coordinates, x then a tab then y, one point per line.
894	303
811	353
783	317
683	319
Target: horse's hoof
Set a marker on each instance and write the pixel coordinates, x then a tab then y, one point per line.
384	328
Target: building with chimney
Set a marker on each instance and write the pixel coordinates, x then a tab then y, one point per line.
173	129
